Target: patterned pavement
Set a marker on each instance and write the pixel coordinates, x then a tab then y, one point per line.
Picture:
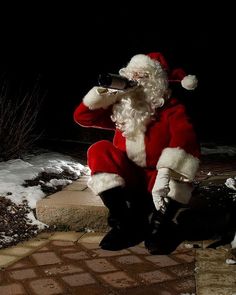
72	262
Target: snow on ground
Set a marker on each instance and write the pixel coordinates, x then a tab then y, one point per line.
25	181
13	173
207	149
18	185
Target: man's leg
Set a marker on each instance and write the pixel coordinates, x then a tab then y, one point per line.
113	178
164	232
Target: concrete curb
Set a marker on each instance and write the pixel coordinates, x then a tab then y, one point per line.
73	208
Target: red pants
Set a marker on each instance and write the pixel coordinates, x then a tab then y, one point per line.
104	157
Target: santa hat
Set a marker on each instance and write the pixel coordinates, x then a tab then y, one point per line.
178	75
155	61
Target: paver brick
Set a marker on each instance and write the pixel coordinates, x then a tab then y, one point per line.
91	238
44	258
106	253
62	243
1	277
93	289
100	265
12	289
6	260
62	269
45	235
23	263
139	250
67	236
185	257
161	260
43	249
119	280
17	251
23	274
35	243
76	255
79	279
156	276
62	250
90	245
152	290
47	286
129	259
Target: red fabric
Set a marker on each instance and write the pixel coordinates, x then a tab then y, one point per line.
99	118
160	58
172	128
113	160
177	75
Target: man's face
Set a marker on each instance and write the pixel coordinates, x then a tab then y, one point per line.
137	76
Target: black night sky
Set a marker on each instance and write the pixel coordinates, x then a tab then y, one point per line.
65	47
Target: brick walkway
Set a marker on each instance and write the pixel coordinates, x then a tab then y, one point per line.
73	263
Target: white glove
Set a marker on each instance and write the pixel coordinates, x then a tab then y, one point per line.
161	187
99	97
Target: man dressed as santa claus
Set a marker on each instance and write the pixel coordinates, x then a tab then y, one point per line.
144	177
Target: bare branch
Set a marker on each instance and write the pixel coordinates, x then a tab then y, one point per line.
18	117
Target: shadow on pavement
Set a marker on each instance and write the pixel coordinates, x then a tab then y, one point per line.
212	215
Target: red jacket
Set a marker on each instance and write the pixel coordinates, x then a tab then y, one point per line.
170	140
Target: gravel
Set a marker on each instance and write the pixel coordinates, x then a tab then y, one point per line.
15	225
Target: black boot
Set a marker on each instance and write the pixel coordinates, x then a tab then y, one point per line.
127	228
164	234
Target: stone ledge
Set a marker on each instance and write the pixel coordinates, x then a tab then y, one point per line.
73	209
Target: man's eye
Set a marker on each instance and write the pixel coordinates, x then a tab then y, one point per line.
140	75
143	75
146	75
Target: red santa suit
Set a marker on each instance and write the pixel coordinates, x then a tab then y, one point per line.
168	142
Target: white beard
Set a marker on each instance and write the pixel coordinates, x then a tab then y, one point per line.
134	111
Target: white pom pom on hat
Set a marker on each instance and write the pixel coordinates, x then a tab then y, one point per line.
178	75
189	82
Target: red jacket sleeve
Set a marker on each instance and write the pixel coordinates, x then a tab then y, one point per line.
98	118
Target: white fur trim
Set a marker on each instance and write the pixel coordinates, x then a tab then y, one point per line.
99	97
103	181
135	149
141	62
180	191
180	162
189	82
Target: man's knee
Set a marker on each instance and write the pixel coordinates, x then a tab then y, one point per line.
99	148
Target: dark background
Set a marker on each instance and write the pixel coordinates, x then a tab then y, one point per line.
64	47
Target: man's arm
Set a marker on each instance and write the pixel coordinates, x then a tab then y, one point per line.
182	155
95	109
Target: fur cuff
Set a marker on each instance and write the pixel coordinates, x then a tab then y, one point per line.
99	97
101	182
180	162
